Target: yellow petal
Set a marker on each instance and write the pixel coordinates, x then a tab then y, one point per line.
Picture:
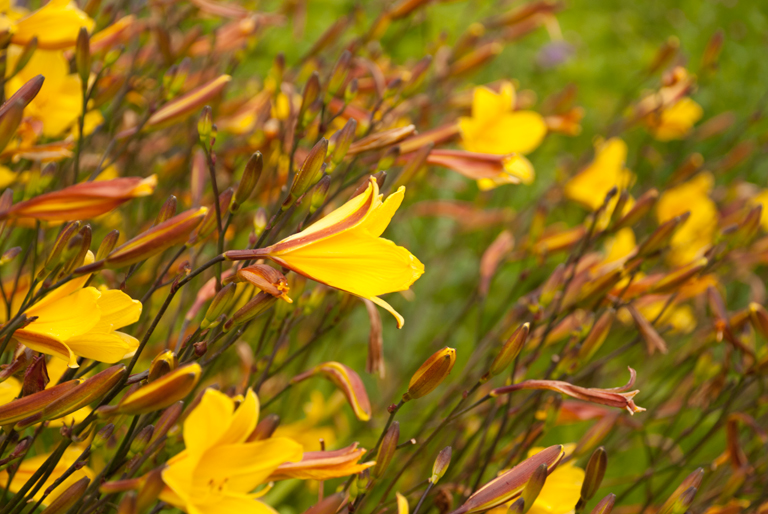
243	421
67	317
118	309
381	303
207	422
31	465
378	219
487	104
55	25
109	348
9	390
230	504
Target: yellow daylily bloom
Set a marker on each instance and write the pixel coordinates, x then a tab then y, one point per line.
31	465
220	468
696	234
344	250
762	199
496	128
607	170
55	25
562	488
517	169
82	322
674	121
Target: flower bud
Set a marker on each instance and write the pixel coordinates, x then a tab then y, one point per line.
259	221
386	449
219	305
205	126
83	56
418	73
179	77
258	304
517	507
415	163
208	225
167	211
26	54
339	73
340	141
652	338
672	281
319	194
509	351
309	173
266	278
533	487
103	436
351	92
54	256
381	140
758	317
142	439
265	428
310	95
248	181
593	475
692	481
748	227
605	506
660	238
27	406
712	51
684	501
595	290
363	480
10	119
6	200
107	244
128	504
440	466
10	254
596	336
431	374
67	499
664	55
150	490
161	393
328	505
25	94
80	251
166	420
165	362
618	209
641	207
347	381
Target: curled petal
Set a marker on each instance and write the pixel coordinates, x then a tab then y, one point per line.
348	381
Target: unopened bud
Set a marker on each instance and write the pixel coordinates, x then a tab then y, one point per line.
712	51
431	374
328	505
10	119
684	501
78	251
596	336
165	362
691	165
258	304
416	162
10	254
683	493
758	316
103	436
209	223
219	305
440	466
672	281
26	55
351	92
339	73
62	242
605	506
180	77
641	207
363	479
248	181
661	237
534	486
387	449
310	95
509	351
593	475
265	428
341	140
205	126
107	244
748	227
268	279
83	56
67	499
309	173
347	380
517	507
665	54
150	490
161	393
418	74
142	439
128	504
652	338
167	211
166	420
388	159
319	194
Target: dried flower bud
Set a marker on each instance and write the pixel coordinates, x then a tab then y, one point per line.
10	118
440	466
164	363
258	304
251	176
309	173
265	428
268	279
67	499
161	393
319	194
534	486
83	56
167	211
431	374
605	506
508	352
386	449
593	475
310	95
107	244
641	207
660	238
339	73
205	126
347	381
219	305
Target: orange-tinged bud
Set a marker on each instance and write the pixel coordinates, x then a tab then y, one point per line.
83	56
605	506
268	279
381	139
64	501
150	490
128	504
639	209
712	51
157	239
10	119
345	379
27	406
259	221
388	159
440	466
672	281
251	176
161	393
319	194
323	465
431	374
691	481
166	420
595	290
387	449
186	105
6	200
167	211
265	428
219	305
107	244
258	304
509	351
652	338
162	364
665	54
309	173
208	225
82	201
661	237
508	486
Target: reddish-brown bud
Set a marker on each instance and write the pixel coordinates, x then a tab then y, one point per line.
440	466
387	449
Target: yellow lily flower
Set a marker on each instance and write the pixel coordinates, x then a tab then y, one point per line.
674	121
344	250
82	322
55	25
496	128
696	234
220	468
30	466
591	184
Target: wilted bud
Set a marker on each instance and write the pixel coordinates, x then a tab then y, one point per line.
161	393
258	304
596	336
209	223
347	381
167	211
328	505
440	466
660	238
62	241
386	449
157	239
593	476
64	501
248	181
142	439
165	362
534	486
416	79
205	126
319	194
605	506
309	173
107	244
673	280
748	227
35	377
265	428
509	351
682	493
219	305
10	119
339	73
268	279
641	207
83	56
310	95
431	374
341	140
259	221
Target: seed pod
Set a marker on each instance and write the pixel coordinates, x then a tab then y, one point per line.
533	487
605	506
268	279
386	449
660	238
641	207
10	119
340	141
107	244
167	211
64	501
319	194
83	56
251	176
205	126
219	305
258	304
163	363
440	466
593	475
309	173
431	374
142	439
508	352
265	428
159	394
